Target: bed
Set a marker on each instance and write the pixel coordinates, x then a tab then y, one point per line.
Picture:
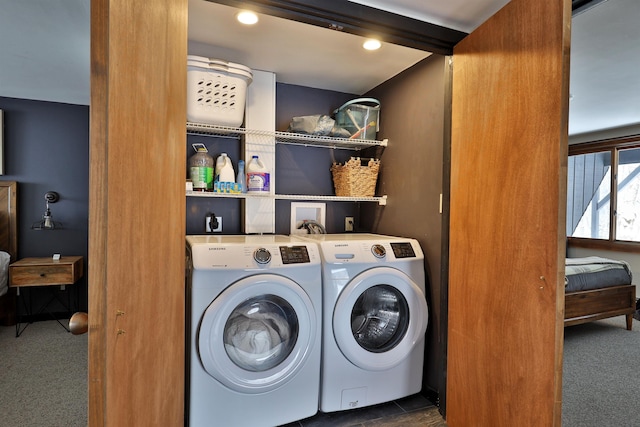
598	288
8	245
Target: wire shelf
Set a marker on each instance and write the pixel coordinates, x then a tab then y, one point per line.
381	200
284	137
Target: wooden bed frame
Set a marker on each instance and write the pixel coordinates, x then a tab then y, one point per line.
9	244
587	306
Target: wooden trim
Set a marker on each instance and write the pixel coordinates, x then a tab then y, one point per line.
613	191
9	244
360	20
631	141
446	213
1	142
98	178
600	244
9	230
137	212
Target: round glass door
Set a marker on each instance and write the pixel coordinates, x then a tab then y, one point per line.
261	332
379	317
257	333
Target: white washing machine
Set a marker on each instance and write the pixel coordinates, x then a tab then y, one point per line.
254	319
375	319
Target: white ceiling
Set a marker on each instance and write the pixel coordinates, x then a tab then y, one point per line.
45	51
605	59
297	53
461	15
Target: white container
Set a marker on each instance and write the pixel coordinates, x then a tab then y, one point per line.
257	176
216	91
224	169
362	121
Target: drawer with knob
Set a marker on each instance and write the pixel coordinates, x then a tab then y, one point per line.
45	271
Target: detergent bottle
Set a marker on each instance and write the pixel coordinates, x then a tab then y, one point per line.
201	169
224	169
257	176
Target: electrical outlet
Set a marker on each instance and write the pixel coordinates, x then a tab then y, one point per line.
208	224
348	223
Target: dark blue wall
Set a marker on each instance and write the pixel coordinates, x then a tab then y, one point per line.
46	148
301	170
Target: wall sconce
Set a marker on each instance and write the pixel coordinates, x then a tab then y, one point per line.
47	223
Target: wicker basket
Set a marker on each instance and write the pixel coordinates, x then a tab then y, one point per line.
355	180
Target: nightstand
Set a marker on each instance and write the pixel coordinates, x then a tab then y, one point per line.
44	272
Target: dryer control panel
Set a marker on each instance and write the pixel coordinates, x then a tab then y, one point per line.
294	254
380	251
403	250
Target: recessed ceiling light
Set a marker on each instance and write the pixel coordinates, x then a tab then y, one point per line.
247	17
372	44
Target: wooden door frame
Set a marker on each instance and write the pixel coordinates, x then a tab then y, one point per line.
507	224
137	212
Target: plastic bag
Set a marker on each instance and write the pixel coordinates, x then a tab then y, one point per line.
318	124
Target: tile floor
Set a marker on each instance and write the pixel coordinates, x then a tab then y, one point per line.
412	411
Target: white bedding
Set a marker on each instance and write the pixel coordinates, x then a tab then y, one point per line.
4	272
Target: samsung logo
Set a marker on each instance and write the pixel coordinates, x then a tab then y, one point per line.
341	245
217	249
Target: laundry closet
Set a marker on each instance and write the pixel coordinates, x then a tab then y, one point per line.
410	181
469	172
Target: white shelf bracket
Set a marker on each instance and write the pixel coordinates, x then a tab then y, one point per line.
260	114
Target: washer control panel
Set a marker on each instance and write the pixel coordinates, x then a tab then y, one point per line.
262	256
250	252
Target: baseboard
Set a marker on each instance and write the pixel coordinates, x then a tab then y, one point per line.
432	395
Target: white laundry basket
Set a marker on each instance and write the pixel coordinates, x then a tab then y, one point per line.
216	91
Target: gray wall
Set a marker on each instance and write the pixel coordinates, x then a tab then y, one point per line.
46	148
413	109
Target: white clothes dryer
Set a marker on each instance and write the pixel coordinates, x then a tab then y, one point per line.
375	319
254	330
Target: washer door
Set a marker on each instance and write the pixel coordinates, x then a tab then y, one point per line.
379	317
257	333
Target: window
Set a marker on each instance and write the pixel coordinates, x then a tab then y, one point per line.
628	200
588	195
603	190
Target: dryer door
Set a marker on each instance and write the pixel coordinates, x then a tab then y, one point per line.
379	317
257	333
